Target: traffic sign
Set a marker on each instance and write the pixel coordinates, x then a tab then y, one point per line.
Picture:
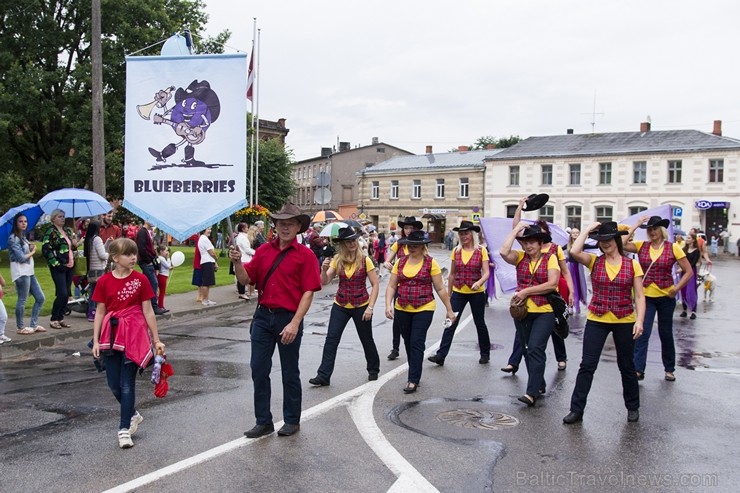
475	217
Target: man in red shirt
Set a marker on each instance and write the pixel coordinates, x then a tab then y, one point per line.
286	274
108	230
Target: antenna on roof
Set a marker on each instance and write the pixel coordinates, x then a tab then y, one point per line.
593	115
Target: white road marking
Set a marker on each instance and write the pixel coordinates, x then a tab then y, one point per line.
360	408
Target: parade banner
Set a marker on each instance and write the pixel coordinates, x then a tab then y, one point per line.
186	131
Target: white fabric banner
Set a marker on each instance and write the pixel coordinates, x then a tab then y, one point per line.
186	132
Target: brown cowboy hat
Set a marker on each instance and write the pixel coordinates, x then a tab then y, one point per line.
289	211
467	226
536	201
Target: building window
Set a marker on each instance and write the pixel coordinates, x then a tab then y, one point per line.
440	189
463	188
636	210
380	149
547	214
573	216
674	171
716	170
514	175
394	189
375	190
547	174
575	174
511	210
639	172
416	190
605	173
604	214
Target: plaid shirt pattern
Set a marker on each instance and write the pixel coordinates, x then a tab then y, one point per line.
525	279
467	274
415	291
353	290
613	295
661	273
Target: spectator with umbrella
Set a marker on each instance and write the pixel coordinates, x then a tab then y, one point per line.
58	246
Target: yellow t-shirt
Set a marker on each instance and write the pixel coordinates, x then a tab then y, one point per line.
394	248
652	290
612	271
466	256
552	263
410	270
350	272
560	253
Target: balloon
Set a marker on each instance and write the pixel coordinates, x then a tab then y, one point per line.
177	259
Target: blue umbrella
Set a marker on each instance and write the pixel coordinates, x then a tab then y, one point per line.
75	202
32	212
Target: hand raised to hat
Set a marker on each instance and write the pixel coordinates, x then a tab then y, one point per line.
644	219
592	227
521	226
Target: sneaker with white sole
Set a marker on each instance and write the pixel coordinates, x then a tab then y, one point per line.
136	420
124	439
208	303
4	338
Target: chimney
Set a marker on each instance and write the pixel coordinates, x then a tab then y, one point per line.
281	122
344	146
462	148
717	128
569	131
490	146
325	151
375	140
429	149
644	127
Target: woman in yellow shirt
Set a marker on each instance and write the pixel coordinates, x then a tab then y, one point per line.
352	301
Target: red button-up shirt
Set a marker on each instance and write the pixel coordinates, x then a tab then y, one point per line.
297	273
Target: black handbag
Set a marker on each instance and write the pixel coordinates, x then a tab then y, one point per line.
560	309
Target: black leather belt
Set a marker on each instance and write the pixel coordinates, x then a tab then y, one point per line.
273	310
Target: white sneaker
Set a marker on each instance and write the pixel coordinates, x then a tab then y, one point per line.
4	338
208	303
136	420
124	439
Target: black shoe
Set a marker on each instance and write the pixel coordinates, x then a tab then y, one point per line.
640	375
633	416
393	355
683	315
260	430
161	311
372	376
410	388
484	360
562	365
435	358
510	369
288	429
317	380
693	316
573	418
527	399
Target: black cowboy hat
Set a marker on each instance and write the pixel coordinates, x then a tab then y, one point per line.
656	221
411	221
536	201
347	234
607	231
467	226
415	238
289	211
534	232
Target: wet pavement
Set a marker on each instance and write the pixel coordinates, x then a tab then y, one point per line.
463	430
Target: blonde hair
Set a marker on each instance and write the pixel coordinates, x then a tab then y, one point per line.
476	241
121	246
343	257
252	233
55	213
664	233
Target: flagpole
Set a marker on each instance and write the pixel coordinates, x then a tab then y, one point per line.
257	106
251	99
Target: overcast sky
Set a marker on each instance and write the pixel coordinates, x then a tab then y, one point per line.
427	72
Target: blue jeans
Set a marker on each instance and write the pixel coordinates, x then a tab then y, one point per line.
265	335
338	320
664	307
594	336
3	317
23	286
413	328
62	277
148	271
121	376
558	345
533	332
477	307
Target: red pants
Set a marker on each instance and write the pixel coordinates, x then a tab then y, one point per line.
162	281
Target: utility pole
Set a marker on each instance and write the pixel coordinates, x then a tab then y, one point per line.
98	140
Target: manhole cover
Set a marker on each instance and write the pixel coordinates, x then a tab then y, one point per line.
473	418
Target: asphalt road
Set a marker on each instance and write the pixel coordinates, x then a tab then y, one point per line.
463	431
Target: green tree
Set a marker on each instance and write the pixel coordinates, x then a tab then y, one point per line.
45	82
275	174
14	193
500	143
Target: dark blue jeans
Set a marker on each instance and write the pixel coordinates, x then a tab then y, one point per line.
664	307
121	376
338	320
265	335
413	328
24	286
594	336
149	272
534	331
62	277
558	345
477	307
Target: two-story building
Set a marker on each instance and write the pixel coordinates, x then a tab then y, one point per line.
442	188
609	176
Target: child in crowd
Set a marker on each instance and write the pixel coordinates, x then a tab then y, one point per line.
3	313
164	271
125	328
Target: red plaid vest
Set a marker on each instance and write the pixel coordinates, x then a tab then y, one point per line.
661	273
525	279
467	274
415	291
353	290
612	295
